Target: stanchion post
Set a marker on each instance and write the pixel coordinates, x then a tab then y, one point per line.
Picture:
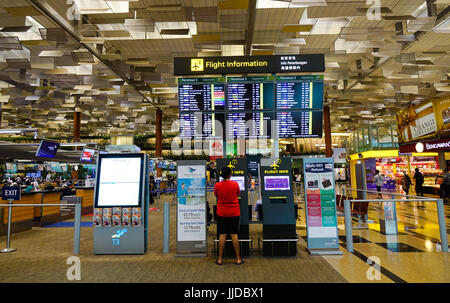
442	225
8	249
295	191
77	226
348	225
166	228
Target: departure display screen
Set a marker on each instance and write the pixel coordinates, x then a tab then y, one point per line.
250	96
299	95
299	124
249	125
201	125
201	97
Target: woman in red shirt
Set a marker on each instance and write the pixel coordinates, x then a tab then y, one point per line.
228	212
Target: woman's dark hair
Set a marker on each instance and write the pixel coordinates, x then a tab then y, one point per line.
377	171
226	172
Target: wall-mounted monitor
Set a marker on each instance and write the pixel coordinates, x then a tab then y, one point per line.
87	155
119	180
47	149
276	183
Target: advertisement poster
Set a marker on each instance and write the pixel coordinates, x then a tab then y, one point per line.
191	203
321	216
215	149
339	155
442	107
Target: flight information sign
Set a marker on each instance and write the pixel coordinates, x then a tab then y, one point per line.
299	124
299	92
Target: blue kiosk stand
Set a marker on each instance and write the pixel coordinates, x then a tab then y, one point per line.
279	222
121	204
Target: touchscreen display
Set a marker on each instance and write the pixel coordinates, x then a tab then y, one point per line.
276	183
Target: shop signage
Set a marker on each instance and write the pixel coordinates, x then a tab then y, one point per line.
429	146
11	193
249	64
424	121
320	192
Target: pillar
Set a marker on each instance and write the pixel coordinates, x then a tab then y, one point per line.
76	126
327	131
158	144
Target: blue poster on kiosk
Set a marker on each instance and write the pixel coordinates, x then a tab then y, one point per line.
320	197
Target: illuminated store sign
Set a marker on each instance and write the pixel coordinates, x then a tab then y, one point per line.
249	64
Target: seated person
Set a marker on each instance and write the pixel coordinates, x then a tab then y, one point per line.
29	188
49	186
68	190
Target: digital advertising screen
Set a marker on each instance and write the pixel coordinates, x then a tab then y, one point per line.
119	181
47	149
276	183
201	97
300	124
250	96
87	155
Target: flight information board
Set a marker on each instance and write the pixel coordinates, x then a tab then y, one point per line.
299	92
299	124
246	107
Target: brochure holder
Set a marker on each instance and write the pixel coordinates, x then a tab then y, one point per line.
121	204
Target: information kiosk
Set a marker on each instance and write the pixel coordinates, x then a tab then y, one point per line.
121	204
239	174
279	229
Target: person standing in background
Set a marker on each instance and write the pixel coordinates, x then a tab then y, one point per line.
406	183
445	187
378	179
418	176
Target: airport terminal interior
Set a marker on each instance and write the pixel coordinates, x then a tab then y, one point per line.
118	118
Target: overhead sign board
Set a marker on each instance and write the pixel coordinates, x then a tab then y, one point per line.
249	64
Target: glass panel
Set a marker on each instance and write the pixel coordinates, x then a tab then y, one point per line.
385	136
373	136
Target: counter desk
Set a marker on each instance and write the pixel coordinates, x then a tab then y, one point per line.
25	217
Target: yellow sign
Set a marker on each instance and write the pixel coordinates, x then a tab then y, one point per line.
275	164
197	65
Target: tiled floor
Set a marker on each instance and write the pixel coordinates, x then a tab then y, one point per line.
414	255
411	256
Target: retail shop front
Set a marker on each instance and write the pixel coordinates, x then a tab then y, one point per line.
391	164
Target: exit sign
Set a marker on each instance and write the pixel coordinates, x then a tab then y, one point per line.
11	193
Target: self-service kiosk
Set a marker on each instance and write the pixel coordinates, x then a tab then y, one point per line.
121	204
239	174
279	228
